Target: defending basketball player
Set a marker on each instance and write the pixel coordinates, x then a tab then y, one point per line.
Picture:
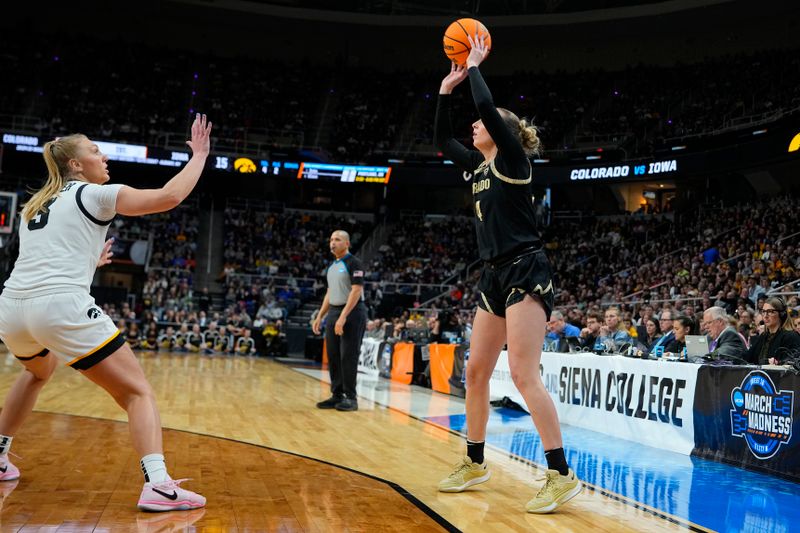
516	287
46	310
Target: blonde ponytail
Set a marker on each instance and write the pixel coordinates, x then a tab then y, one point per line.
528	133
56	156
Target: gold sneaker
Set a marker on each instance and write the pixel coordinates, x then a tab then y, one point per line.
556	491
466	474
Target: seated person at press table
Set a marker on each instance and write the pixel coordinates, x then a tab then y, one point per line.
779	341
724	341
681	326
588	335
665	323
613	332
557	332
651	334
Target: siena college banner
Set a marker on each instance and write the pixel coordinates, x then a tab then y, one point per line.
650	402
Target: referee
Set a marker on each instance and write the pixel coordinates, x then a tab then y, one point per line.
347	318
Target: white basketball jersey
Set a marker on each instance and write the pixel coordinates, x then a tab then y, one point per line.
59	249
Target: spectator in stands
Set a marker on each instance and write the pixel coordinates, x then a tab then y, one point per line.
627	324
761	289
242	320
122	326
451	326
725	341
274	338
434	329
746	327
150	341
398	329
710	255
646	313
734	323
557	332
379	329
796	320
779	340
133	336
204	300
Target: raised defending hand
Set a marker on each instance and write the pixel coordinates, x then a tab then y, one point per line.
456	76
105	255
201	136
479	50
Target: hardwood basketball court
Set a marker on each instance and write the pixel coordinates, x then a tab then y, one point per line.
247	432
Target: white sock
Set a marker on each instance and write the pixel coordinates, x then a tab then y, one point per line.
5	444
154	468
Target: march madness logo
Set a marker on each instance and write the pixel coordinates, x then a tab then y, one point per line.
761	415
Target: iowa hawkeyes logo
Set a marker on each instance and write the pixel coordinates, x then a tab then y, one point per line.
93	312
795	144
244	165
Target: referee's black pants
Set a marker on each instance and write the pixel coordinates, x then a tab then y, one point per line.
343	350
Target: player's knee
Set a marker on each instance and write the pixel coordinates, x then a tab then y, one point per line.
134	392
524	376
478	376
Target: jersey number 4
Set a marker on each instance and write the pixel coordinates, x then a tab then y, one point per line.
41	218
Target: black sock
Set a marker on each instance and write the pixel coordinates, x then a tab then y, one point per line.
475	451
556	461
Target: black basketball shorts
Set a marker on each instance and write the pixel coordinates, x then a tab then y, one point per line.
505	282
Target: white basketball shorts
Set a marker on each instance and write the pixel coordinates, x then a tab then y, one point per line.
68	324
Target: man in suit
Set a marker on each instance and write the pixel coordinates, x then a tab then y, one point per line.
724	341
668	335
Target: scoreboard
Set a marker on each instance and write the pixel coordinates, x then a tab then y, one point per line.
8	210
343	173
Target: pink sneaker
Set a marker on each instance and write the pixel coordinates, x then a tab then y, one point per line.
8	472
168	496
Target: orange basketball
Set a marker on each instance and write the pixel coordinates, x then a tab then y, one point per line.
456	44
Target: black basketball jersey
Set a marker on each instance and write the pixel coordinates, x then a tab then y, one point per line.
501	188
504	216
